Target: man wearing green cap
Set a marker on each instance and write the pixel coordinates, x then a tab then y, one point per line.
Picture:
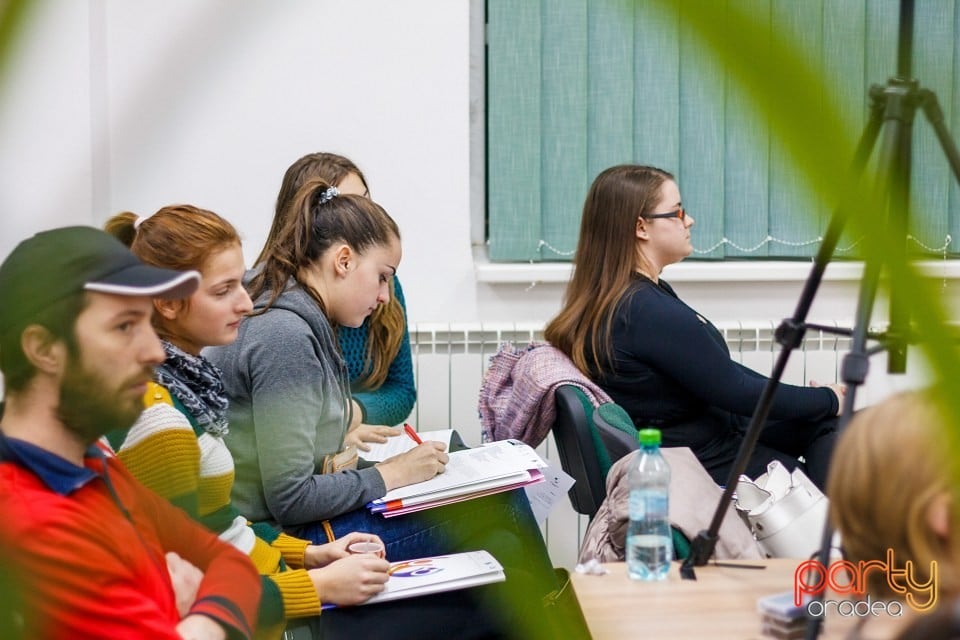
95	548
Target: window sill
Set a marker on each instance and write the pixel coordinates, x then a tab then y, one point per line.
734	271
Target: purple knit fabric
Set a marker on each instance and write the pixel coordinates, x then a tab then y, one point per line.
516	397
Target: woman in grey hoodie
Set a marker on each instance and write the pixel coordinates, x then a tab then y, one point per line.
330	264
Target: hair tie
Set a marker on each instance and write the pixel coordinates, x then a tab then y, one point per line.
138	222
328	195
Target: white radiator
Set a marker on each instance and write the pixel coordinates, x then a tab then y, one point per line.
450	359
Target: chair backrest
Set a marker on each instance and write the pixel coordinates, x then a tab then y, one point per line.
588	447
617	431
578	453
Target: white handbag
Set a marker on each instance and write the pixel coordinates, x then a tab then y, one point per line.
785	511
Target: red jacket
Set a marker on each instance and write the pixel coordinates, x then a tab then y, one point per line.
92	568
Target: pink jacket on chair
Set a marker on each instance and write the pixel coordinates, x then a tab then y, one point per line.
516	397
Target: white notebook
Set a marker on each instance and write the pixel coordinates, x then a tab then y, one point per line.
410	578
503	462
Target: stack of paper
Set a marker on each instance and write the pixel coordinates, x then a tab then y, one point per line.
471	473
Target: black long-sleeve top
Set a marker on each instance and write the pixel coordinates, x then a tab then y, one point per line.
672	370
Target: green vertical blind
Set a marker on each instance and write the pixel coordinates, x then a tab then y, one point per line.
575	86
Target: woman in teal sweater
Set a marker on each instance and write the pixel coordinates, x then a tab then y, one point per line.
378	352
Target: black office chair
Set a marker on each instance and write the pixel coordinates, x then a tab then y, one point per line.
588	446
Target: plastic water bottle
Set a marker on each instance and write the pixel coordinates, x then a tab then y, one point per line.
649	542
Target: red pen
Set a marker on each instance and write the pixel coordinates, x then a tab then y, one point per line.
413	434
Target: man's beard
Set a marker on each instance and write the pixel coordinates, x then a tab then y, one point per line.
89	409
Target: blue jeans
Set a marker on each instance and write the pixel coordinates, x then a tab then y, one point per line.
503	524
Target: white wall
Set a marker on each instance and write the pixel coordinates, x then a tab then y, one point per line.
133	104
117	104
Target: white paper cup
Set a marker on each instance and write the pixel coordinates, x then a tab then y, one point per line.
366	547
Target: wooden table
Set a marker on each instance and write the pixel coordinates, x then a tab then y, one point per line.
721	603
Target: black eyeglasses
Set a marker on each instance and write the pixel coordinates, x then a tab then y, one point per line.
679	213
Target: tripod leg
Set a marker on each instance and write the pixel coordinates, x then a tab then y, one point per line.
704	543
894	179
895	159
854	372
897	335
934	114
893	175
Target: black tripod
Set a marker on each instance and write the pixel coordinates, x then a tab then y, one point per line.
892	107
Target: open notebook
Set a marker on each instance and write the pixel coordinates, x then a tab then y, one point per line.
401	442
471	473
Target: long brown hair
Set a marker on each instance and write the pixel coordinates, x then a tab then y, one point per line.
386	326
179	237
605	262
316	219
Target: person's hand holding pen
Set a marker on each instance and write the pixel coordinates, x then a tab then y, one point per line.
410	431
425	461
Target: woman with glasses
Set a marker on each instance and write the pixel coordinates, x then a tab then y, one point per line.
667	365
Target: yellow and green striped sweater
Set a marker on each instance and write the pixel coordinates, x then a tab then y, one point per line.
169	453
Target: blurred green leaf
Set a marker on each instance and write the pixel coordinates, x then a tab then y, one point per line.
13	13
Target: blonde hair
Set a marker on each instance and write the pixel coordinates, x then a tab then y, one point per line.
889	466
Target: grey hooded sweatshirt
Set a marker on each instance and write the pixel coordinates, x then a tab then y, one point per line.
289	407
